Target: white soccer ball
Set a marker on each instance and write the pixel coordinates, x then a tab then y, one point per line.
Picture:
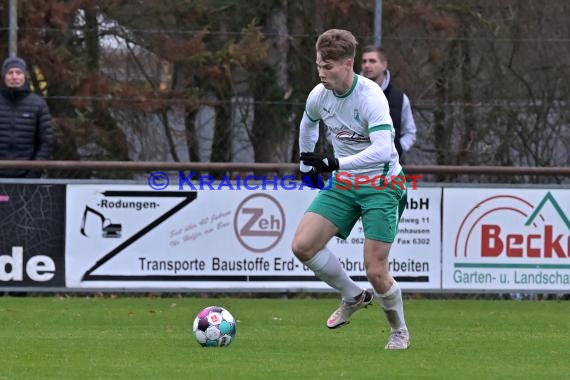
214	326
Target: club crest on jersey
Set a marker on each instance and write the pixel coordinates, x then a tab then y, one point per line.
356	115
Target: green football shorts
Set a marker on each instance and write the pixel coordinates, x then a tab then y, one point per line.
380	209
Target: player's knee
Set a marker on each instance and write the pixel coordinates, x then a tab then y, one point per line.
377	272
301	249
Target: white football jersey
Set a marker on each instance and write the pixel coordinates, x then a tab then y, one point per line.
351	117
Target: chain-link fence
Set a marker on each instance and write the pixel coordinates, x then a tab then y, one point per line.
162	82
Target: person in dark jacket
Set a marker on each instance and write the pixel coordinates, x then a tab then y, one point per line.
25	121
375	67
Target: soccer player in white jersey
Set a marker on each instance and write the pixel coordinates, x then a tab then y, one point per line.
357	114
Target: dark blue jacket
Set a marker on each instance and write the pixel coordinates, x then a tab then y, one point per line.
25	129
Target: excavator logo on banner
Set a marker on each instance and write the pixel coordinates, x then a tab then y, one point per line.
108	228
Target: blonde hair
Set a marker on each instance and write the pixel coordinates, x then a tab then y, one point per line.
335	44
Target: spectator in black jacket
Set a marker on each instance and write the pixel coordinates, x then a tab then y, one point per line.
375	67
25	121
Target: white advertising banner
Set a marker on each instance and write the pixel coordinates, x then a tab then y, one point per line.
131	237
506	239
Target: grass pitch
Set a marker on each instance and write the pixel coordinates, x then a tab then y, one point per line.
151	338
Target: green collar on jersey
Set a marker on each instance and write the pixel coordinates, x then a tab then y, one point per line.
354	81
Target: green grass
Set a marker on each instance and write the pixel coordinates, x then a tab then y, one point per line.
151	338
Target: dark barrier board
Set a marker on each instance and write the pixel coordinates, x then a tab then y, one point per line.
32	235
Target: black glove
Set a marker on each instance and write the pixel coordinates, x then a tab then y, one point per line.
321	162
313	179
